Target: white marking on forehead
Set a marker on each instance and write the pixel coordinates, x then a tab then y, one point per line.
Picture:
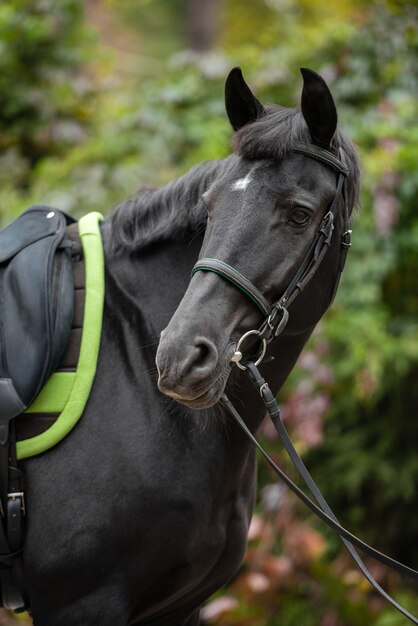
242	183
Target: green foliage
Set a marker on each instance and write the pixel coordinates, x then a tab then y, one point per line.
75	135
46	100
151	19
373	330
42	94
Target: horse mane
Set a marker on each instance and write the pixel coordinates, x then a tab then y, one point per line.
176	211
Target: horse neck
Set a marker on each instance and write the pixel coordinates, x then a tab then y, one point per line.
148	285
151	285
148	266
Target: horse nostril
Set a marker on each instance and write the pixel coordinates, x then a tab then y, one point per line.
205	355
201	356
185	369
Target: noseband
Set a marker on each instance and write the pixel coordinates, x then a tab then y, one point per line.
277	315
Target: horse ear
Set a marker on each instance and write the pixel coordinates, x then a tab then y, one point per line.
318	108
241	105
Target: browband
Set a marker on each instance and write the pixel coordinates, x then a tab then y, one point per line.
320	154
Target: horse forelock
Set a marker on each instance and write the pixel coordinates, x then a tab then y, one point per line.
275	134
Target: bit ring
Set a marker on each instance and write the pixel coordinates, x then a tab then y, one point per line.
237	356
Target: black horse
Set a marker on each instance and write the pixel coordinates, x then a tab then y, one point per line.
142	512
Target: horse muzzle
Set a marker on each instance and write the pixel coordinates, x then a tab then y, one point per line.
191	372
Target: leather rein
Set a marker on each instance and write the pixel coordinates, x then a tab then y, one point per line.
276	318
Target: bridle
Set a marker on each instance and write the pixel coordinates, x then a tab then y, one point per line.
276	317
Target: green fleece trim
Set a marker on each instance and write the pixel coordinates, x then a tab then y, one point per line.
68	393
54	395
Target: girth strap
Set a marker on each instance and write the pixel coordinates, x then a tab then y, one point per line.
12	524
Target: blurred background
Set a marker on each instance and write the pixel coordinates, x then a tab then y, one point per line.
100	97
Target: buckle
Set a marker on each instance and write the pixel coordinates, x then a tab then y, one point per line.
327	226
13	496
272	319
346	242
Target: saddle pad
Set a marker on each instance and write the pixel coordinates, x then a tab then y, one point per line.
31	424
36	304
62	400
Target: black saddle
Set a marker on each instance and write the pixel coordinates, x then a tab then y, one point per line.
36	304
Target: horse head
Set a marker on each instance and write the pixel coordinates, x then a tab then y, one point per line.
268	216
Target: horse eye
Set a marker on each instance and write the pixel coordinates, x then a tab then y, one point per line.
300	217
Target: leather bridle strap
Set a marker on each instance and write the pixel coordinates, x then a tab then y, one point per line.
236	278
320	154
323	511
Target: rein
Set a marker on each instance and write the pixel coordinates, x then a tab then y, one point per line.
276	317
322	509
